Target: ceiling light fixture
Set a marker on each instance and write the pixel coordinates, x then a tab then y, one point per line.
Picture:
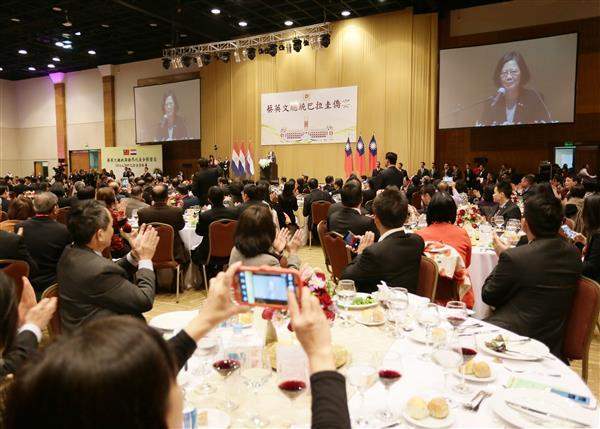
243	24
345	13
15	20
153	24
92	52
67	42
78	33
130	52
59	44
22	52
30	68
51	66
67	23
57	9
1	69
215	11
67	46
289	23
166	63
236	56
251	53
104	25
297	44
325	40
56	59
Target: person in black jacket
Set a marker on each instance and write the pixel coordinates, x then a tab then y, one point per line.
506	208
591	239
533	285
349	217
315	195
78	372
203	179
390	176
19	343
4	201
287	205
12	246
45	239
396	256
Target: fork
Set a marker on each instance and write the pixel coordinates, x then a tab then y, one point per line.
470	405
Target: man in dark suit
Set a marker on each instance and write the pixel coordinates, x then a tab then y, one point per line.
434	173
469	176
188	200
526	186
329	185
217	212
395	258
349	218
315	195
20	187
92	286
45	239
206	177
506	208
402	170
422	171
12	246
4	201
377	169
161	212
390	176
533	285
135	201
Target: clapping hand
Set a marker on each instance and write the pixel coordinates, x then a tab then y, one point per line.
41	313
144	244
296	241
366	241
281	238
499	245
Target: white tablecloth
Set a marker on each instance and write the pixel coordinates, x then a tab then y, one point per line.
483	261
189	237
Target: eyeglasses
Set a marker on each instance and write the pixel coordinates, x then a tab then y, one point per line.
511	72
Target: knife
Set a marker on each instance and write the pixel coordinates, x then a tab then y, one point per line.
545	413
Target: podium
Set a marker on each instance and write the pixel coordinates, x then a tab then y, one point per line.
270	173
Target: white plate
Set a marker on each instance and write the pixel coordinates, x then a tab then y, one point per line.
419	336
472	378
533	350
358	319
358	307
216	418
542	400
430	422
173	320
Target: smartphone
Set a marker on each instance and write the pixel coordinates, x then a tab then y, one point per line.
448	179
568	231
352	240
124	182
265	286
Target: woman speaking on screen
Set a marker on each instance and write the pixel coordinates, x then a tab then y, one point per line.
513	103
171	126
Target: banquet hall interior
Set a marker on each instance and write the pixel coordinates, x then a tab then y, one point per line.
299	213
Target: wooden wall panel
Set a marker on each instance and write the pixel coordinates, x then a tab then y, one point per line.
108	93
61	121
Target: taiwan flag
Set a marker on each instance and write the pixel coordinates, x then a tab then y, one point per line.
360	156
372	153
348	165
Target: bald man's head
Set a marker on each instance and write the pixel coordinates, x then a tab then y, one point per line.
160	193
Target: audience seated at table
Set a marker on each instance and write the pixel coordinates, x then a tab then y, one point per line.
45	240
187	199
487	205
92	286
119	246
4	198
574	206
349	216
441	218
135	201
286	206
506	208
533	285
258	242
396	256
427	192
591	236
314	195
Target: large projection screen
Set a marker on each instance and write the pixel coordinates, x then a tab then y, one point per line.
167	112
525	82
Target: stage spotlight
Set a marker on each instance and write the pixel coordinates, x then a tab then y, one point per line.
305	42
272	49
252	53
261	51
224	56
297	44
288	47
187	60
206	59
281	47
198	59
325	40
236	56
166	63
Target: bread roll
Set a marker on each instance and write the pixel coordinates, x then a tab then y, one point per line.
438	335
438	408
482	370
416	407
468	368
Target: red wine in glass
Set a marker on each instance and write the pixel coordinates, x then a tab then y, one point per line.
226	367
456	320
468	353
292	388
389	376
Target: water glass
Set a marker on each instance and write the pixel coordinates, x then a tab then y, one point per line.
362	374
255	371
428	317
346	291
498	221
398	303
448	356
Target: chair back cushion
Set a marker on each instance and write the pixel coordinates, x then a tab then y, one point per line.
582	319
54	325
339	255
63	215
428	278
318	211
415	200
16	270
221	236
321	231
164	249
9	225
3	216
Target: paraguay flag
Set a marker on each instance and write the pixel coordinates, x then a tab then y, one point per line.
249	160
348	165
372	153
360	155
242	163
235	160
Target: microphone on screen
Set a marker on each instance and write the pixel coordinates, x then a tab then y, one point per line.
499	94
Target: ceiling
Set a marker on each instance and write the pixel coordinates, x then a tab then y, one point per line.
121	31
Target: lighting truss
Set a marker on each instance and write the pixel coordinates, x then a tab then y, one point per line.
310	32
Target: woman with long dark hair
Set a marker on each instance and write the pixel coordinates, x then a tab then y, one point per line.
591	236
287	204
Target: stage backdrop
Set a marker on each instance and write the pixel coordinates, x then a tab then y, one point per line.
117	158
309	116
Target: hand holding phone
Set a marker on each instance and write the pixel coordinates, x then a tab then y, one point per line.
568	232
265	286
351	240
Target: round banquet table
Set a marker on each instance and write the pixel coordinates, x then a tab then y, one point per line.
189	237
483	261
418	378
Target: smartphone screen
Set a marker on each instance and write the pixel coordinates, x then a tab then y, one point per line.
124	182
568	231
265	288
351	240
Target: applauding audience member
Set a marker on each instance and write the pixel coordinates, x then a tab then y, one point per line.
93	287
591	240
257	242
532	286
396	256
349	216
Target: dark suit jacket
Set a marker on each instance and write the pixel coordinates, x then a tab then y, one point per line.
509	211
368	195
202	181
532	289
315	195
5	204
396	260
530	109
22	348
190	201
12	246
173	216
92	287
422	173
204	221
348	219
390	176
45	240
591	260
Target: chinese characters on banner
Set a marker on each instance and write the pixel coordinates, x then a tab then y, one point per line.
310	116
136	158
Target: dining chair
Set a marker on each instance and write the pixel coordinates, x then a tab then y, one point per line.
582	322
318	212
16	270
3	216
338	253
63	215
9	225
415	200
164	257
321	231
54	328
221	236
428	278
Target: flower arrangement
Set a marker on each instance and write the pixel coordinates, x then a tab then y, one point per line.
470	215
264	162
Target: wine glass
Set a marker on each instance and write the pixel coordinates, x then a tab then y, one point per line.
390	372
346	291
207	349
292	382
362	374
225	367
255	371
456	314
447	355
499	222
398	303
134	216
428	317
468	352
